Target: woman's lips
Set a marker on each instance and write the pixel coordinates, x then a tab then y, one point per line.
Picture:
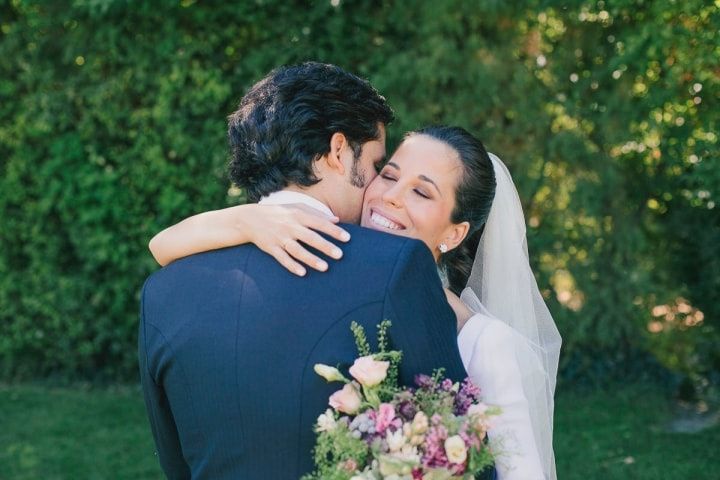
384	221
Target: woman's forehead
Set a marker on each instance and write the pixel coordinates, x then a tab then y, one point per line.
421	154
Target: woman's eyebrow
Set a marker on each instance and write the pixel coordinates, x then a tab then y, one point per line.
421	177
426	179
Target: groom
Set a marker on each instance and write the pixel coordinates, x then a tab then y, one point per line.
228	338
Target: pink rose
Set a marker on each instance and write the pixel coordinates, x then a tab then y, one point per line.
346	400
477	409
369	372
385	416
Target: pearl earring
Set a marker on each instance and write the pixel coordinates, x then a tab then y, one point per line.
443	248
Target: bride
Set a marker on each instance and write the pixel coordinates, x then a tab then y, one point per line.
443	188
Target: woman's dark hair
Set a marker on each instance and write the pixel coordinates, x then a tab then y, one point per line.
285	122
473	199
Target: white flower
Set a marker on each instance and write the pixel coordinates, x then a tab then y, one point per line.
331	374
478	416
326	422
395	440
455	449
420	423
409	451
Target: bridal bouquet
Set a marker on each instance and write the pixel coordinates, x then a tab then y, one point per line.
378	430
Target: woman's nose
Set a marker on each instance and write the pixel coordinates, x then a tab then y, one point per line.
393	196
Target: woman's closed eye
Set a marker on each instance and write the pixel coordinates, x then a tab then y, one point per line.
391	178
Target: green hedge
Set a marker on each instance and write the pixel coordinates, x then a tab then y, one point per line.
112	126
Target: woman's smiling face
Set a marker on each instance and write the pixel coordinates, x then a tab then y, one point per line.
414	194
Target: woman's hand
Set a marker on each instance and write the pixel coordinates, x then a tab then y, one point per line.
278	230
275	229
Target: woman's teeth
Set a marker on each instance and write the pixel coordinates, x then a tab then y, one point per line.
384	222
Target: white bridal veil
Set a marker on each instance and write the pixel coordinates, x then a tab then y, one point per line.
503	282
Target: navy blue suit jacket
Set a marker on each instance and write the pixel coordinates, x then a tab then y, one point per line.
228	340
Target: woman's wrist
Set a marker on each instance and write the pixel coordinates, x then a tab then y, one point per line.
233	225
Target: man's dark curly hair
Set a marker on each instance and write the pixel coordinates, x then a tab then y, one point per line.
285	122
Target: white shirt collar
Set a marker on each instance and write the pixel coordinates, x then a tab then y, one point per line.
284	197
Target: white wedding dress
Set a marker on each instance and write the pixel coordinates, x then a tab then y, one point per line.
488	348
510	346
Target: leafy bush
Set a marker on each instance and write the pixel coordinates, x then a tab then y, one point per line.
112	126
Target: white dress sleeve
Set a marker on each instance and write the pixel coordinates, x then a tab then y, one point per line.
487	347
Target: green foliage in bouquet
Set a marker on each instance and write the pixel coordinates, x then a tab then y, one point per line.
433	399
337	453
377	429
389	386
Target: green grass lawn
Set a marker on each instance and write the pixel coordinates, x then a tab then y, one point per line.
81	433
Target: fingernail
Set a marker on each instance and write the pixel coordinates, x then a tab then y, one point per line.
345	237
322	266
300	271
337	253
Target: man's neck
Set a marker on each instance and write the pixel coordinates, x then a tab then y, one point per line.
310	192
296	195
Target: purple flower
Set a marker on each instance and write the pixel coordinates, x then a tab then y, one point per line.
423	381
407	410
471	390
468	394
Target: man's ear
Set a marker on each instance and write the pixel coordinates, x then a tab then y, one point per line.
338	144
455	234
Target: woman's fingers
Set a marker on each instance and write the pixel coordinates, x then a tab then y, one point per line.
317	220
323	225
301	254
316	241
291	224
279	253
